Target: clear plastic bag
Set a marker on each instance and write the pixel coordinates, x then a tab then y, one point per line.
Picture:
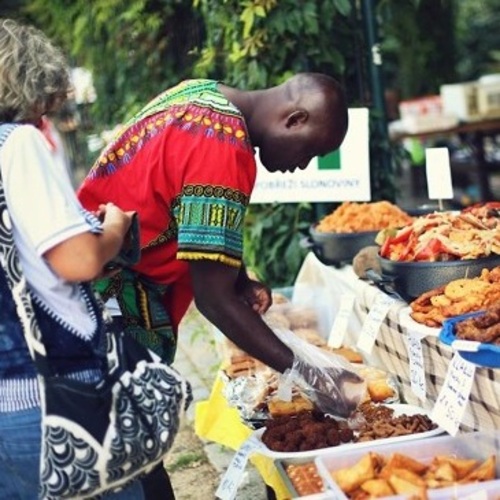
328	379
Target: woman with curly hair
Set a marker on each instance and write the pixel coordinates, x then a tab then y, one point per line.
60	246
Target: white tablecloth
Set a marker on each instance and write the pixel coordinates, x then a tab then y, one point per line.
390	352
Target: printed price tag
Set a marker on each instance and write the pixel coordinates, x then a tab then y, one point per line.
234	474
373	321
438	172
413	342
454	395
339	327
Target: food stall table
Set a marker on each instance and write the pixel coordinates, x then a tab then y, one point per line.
390	351
216	421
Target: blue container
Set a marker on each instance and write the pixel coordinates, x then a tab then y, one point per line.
487	355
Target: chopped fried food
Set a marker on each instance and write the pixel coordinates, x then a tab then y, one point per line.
482	328
406	486
485	472
459	297
351	478
402	474
377	488
352	217
400	461
461	466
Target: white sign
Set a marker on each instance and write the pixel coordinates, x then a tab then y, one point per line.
373	322
339	327
454	395
339	176
234	474
416	361
438	172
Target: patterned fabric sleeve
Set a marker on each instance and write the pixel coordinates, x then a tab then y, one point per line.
210	223
211	206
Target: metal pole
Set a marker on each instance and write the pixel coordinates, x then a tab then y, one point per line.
375	59
380	133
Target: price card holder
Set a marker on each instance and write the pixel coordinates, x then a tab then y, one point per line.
339	327
438	173
453	398
373	321
234	474
413	341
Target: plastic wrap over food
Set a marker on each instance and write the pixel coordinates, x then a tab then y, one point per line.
329	379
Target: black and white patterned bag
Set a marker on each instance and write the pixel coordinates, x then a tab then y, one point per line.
95	438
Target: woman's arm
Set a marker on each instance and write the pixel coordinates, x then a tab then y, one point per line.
82	257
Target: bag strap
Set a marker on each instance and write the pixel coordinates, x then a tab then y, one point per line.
9	260
5	130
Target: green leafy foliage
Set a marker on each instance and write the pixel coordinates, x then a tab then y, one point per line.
135	49
419	44
272	240
255	43
139	47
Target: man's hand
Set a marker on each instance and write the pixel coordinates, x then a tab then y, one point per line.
256	295
335	390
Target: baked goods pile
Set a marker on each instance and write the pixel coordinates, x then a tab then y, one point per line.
376	476
307	430
458	297
312	430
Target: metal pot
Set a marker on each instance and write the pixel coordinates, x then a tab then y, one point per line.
409	280
337	249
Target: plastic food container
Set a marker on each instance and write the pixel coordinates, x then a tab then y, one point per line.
477	445
482	354
281	467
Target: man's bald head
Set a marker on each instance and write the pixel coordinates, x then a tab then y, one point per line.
324	98
304	117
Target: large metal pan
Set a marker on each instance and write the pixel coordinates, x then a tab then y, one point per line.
337	249
409	280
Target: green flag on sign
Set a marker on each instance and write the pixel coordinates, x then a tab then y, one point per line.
331	161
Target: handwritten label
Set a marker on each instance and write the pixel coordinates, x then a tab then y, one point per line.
413	342
454	395
234	474
438	172
373	321
339	327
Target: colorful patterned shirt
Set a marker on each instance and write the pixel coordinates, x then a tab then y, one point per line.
186	165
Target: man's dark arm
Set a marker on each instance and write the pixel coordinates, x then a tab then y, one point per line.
215	294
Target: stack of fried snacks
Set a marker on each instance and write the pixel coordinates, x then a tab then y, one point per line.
375	476
353	217
305	478
458	297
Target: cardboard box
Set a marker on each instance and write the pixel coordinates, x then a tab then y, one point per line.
460	100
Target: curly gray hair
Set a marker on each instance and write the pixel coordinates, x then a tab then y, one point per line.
34	76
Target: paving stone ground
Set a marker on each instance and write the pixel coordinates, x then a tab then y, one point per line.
197	359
